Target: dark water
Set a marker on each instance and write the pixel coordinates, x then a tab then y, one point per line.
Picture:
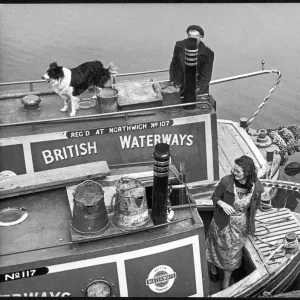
139	37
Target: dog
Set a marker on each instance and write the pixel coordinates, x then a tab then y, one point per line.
70	83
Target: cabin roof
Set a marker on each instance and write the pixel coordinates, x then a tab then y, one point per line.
46	231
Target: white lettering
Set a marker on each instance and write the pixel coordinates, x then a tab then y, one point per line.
154	124
135	142
150	140
31	294
175	140
41	294
65	152
83	149
70	150
99	131
57	154
54	295
156	139
77	134
125	141
190	140
90	148
142	138
182	138
48	158
166	138
76	150
9	276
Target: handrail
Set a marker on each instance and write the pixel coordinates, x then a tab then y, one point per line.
226	79
118	75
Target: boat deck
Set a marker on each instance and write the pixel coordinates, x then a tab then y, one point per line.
272	261
234	142
11	109
268	233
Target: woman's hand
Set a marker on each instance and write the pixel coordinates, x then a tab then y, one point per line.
228	209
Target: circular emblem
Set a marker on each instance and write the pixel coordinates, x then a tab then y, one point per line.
7	173
161	279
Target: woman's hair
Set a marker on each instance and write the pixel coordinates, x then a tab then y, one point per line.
249	169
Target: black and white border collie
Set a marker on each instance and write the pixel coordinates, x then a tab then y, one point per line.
70	83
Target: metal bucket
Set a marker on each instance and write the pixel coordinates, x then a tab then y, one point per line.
108	100
171	96
89	212
131	208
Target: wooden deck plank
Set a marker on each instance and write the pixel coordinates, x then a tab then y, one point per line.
223	160
260	228
273	214
44	180
281	229
228	143
242	143
275	236
273	239
222	168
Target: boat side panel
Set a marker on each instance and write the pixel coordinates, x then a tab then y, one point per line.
16	154
191	138
172	267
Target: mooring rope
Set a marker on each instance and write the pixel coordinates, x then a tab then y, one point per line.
266	98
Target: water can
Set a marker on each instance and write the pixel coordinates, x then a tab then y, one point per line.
108	100
89	212
131	207
171	96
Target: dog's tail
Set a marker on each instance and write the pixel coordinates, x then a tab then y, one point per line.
112	69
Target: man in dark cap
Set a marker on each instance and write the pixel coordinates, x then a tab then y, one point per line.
205	61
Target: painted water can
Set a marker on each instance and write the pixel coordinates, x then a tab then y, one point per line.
131	208
108	100
89	212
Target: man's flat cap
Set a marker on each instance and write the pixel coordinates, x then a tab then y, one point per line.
195	27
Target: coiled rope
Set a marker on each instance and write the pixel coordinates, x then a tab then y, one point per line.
287	138
266	98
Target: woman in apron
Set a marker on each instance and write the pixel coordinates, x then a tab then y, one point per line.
236	199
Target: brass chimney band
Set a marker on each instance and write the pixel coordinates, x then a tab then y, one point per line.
190	50
161	169
191	64
191	59
161	174
161	163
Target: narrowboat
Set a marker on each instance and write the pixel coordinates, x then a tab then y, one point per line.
116	201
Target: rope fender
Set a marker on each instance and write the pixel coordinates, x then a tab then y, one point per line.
287	138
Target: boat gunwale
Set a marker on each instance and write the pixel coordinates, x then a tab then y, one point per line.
101	116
